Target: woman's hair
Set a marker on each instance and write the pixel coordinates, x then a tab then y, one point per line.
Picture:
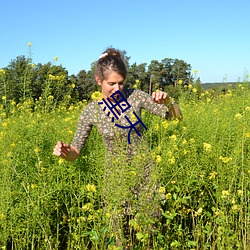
110	60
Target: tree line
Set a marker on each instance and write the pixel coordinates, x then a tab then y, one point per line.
22	79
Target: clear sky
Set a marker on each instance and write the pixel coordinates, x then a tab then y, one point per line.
213	36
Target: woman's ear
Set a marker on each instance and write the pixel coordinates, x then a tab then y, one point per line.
98	80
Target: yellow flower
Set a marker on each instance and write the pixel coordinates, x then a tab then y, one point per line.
212	175
238	116
198	212
164	124
190	86
96	96
73	85
225	159
175	122
171	160
135	86
168	196
108	215
4	124
61	161
246	108
156	127
2	217
180	82
235	207
239	192
37	149
91	188
29	44
133	173
195	71
3	97
56	58
218	212
2	72
13	103
225	193
207	147
194	90
90	217
50	97
87	207
173	137
191	140
184	141
51	77
162	190
158	159
137	80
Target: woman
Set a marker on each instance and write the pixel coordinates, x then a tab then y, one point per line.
110	74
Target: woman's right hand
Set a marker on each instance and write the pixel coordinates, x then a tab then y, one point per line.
66	151
61	149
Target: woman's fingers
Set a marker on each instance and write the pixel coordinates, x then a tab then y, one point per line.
61	149
160	97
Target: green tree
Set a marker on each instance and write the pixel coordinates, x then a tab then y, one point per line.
181	71
86	84
138	73
18	79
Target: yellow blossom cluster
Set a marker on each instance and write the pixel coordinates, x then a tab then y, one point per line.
91	188
225	193
57	78
164	124
225	159
198	212
212	175
180	82
207	147
96	96
162	190
2	72
238	116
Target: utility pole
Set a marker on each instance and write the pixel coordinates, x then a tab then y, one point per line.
150	85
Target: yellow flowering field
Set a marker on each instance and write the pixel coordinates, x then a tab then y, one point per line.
202	166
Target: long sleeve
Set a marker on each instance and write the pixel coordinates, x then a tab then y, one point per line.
84	127
145	101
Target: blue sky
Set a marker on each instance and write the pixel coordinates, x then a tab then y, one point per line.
212	36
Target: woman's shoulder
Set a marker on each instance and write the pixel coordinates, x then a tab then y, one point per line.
90	107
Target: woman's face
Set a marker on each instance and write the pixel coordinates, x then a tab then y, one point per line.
111	84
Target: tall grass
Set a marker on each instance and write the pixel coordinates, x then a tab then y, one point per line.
202	163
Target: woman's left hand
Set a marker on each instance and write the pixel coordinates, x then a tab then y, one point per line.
161	97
